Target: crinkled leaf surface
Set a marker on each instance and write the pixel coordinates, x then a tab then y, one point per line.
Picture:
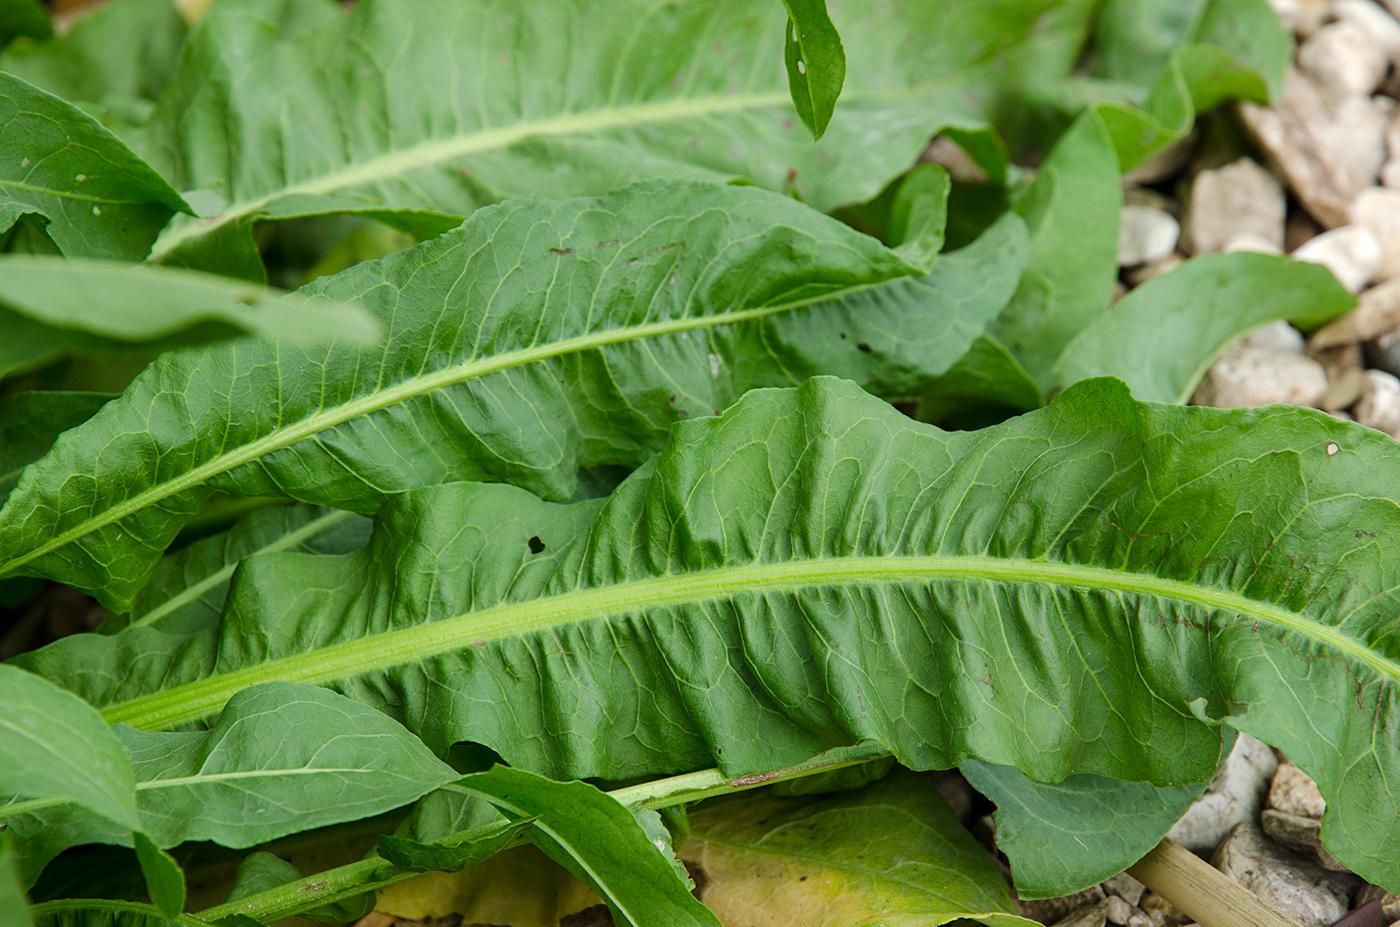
601	842
540	338
187	589
280	759
1066	836
1161	338
816	63
56	747
562	100
1069	592
98	198
31	420
890	854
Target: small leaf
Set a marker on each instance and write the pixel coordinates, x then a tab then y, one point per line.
1161	338
449	855
260	872
816	63
99	199
891	853
54	747
601	842
164	880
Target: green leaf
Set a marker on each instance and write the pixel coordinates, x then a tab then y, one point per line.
23	18
51	305
260	872
187	589
56	748
56	162
583	330
816	63
987	376
448	855
562	101
601	842
164	879
1066	836
1087	588
88	912
31	420
14	907
280	759
1161	338
118	55
891	853
1072	210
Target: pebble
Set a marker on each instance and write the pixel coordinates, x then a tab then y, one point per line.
1298	888
1379	407
1294	792
1383	352
1327	150
1140	275
1351	252
1390	902
949	155
1299	230
1301	834
1240	197
955	791
1146	235
1246	378
1344	391
1377	311
1279	336
1380	27
1092	915
1166	163
1160	912
1343	60
1310	17
1125	887
1248	241
1377	210
1117	910
1237	792
1052	910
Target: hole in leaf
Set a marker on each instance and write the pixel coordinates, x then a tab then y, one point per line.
535	544
864	348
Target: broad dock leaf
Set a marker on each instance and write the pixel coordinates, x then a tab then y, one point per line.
1072	591
891	854
562	99
540	338
14	907
96	197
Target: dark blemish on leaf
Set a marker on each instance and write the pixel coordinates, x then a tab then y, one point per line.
787	123
673	244
792	174
802	878
681	413
535	544
843	336
311	888
672	399
864	348
245	298
466	172
695	141
561	251
606	244
740	782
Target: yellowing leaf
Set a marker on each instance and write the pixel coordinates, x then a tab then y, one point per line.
891	854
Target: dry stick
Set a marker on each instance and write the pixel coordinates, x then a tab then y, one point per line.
1200	890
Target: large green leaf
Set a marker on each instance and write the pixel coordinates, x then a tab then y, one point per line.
280	759
539	338
14	907
891	853
56	162
1072	591
119	56
187	589
1162	337
51	306
602	843
86	912
562	100
31	420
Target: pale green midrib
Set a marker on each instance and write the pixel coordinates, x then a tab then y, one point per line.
402	392
435	151
199	699
36	804
67	195
222	575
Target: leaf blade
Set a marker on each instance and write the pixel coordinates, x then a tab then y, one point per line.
816	63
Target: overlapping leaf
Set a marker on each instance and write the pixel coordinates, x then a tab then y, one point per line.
31	420
1069	592
561	100
539	338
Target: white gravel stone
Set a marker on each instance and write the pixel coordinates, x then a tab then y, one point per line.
1125	887
1278	336
1380	27
1294	792
1311	16
1329	151
1140	275
1246	378
1145	235
1239	198
1089	916
1300	889
1379	407
1236	794
1248	241
1377	210
1378	312
1343	60
1351	252
1117	910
